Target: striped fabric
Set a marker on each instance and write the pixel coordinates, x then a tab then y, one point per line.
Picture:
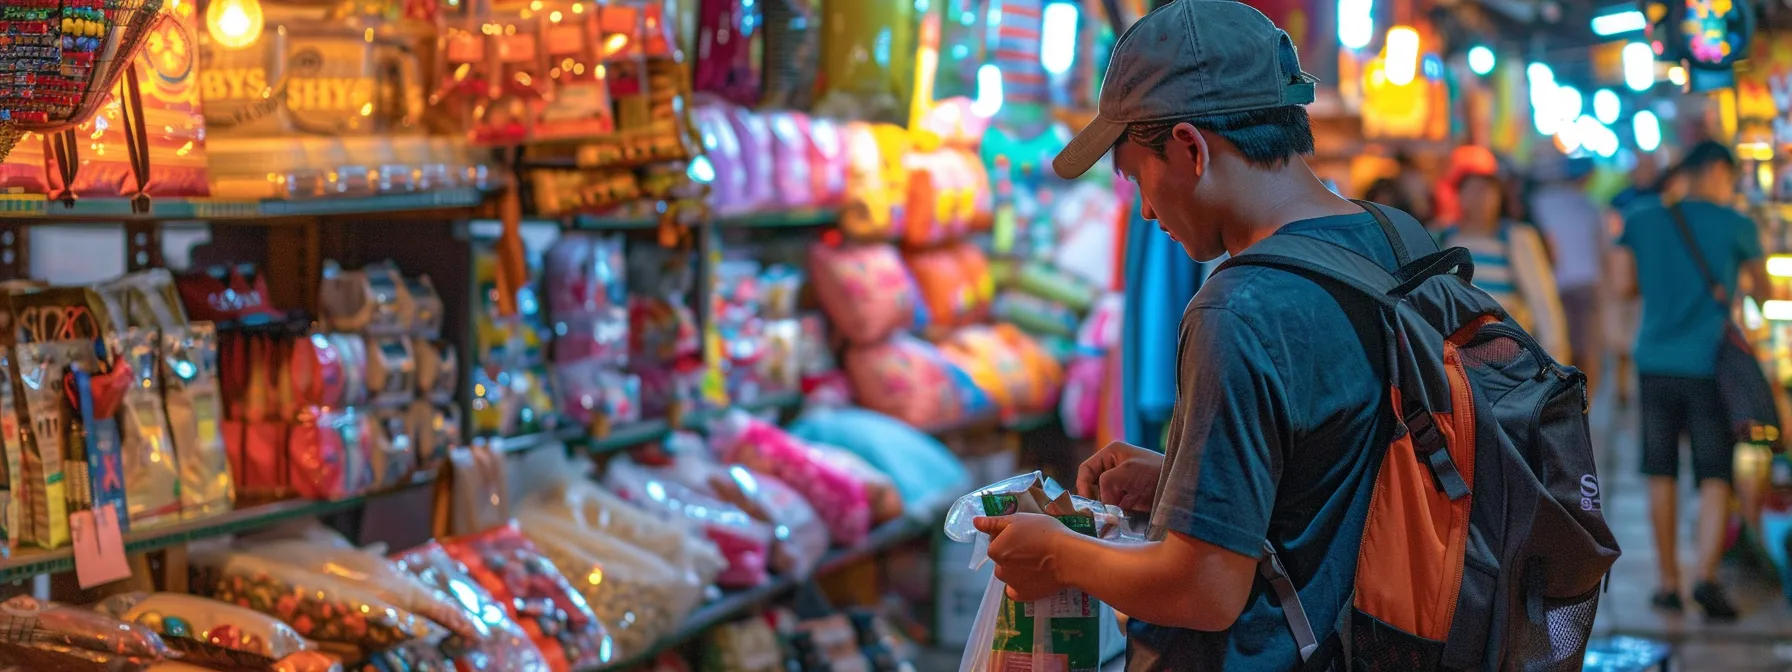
1017	51
1493	270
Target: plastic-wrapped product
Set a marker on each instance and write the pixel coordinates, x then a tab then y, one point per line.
745	542
317	606
903	378
635	594
35	622
675	540
837	495
866	291
178	616
1004	635
508	648
925	471
379	576
886	500
151	468
800	536
747	645
536	595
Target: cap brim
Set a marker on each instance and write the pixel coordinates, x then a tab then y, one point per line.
1087	148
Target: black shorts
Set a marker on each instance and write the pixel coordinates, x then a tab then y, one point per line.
1673	407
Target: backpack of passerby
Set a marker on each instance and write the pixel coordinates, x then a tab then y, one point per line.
1485	535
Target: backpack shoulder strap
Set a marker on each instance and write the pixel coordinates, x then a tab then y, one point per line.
1312	256
1408	237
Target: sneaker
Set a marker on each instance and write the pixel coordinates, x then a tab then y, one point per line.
1711	598
1667	600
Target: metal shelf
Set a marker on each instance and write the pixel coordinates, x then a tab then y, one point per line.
37	207
790	219
28	563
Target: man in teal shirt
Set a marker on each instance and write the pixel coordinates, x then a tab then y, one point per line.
1676	358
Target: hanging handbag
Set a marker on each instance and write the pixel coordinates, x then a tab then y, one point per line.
1742	387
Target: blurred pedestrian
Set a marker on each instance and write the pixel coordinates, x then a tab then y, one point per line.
1574	226
1511	262
1676	356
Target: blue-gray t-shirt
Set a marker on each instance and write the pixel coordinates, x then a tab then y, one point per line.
1681	324
1279	428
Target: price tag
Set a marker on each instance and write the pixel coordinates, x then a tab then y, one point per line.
99	546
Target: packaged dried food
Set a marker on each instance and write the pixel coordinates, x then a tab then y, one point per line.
190	398
839	496
676	540
36	622
744	542
635	594
319	607
536	595
152	469
181	616
379	576
507	648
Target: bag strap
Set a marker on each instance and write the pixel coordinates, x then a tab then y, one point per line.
1271	569
1718	293
1404	239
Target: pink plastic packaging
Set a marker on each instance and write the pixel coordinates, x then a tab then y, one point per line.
828	162
728	190
755	137
866	290
838	496
793	187
744	542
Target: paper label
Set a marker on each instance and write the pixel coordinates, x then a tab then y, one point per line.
99	546
1073	617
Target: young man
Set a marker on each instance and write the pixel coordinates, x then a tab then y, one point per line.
1279	423
1676	359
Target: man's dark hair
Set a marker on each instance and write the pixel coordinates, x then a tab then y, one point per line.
1267	138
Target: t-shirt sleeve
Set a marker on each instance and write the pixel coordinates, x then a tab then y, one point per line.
1232	421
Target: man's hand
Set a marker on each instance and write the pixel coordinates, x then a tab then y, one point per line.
1121	474
1024	547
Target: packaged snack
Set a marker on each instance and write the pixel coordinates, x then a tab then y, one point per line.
637	597
318	607
728	43
591	506
590	389
1005	635
472	491
152	470
886	501
865	290
792	186
178	616
35	622
838	496
755	137
747	645
46	490
745	542
378	576
507	648
801	536
536	595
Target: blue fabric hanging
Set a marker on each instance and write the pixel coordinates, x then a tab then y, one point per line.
1160	281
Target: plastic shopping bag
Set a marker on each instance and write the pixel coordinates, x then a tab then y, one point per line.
1062	633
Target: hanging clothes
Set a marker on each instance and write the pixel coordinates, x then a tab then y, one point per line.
1160	281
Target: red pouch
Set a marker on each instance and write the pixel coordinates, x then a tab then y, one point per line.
318	460
315	372
257	451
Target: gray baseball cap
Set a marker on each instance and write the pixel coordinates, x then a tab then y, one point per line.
1184	59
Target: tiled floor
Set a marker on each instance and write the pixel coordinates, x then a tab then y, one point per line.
1760	640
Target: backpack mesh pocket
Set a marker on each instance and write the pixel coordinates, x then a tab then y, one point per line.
1559	641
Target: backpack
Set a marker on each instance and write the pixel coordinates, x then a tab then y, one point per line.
1484	547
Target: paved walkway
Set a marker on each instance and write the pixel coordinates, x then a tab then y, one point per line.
1760	640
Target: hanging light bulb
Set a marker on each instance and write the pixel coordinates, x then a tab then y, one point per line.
234	24
1648	130
1639	66
989	91
1401	62
1481	60
1057	39
1606	106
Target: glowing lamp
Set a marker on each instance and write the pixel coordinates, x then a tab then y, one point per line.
1481	60
1647	129
1402	57
1639	66
1606	106
234	24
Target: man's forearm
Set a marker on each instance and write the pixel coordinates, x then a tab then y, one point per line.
1135	580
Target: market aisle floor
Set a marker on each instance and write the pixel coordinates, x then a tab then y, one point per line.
1760	640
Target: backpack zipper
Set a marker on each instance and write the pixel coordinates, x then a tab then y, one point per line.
1547	364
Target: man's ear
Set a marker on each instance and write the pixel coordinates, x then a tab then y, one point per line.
1189	139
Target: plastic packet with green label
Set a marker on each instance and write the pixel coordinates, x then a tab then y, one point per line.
190	395
1062	633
